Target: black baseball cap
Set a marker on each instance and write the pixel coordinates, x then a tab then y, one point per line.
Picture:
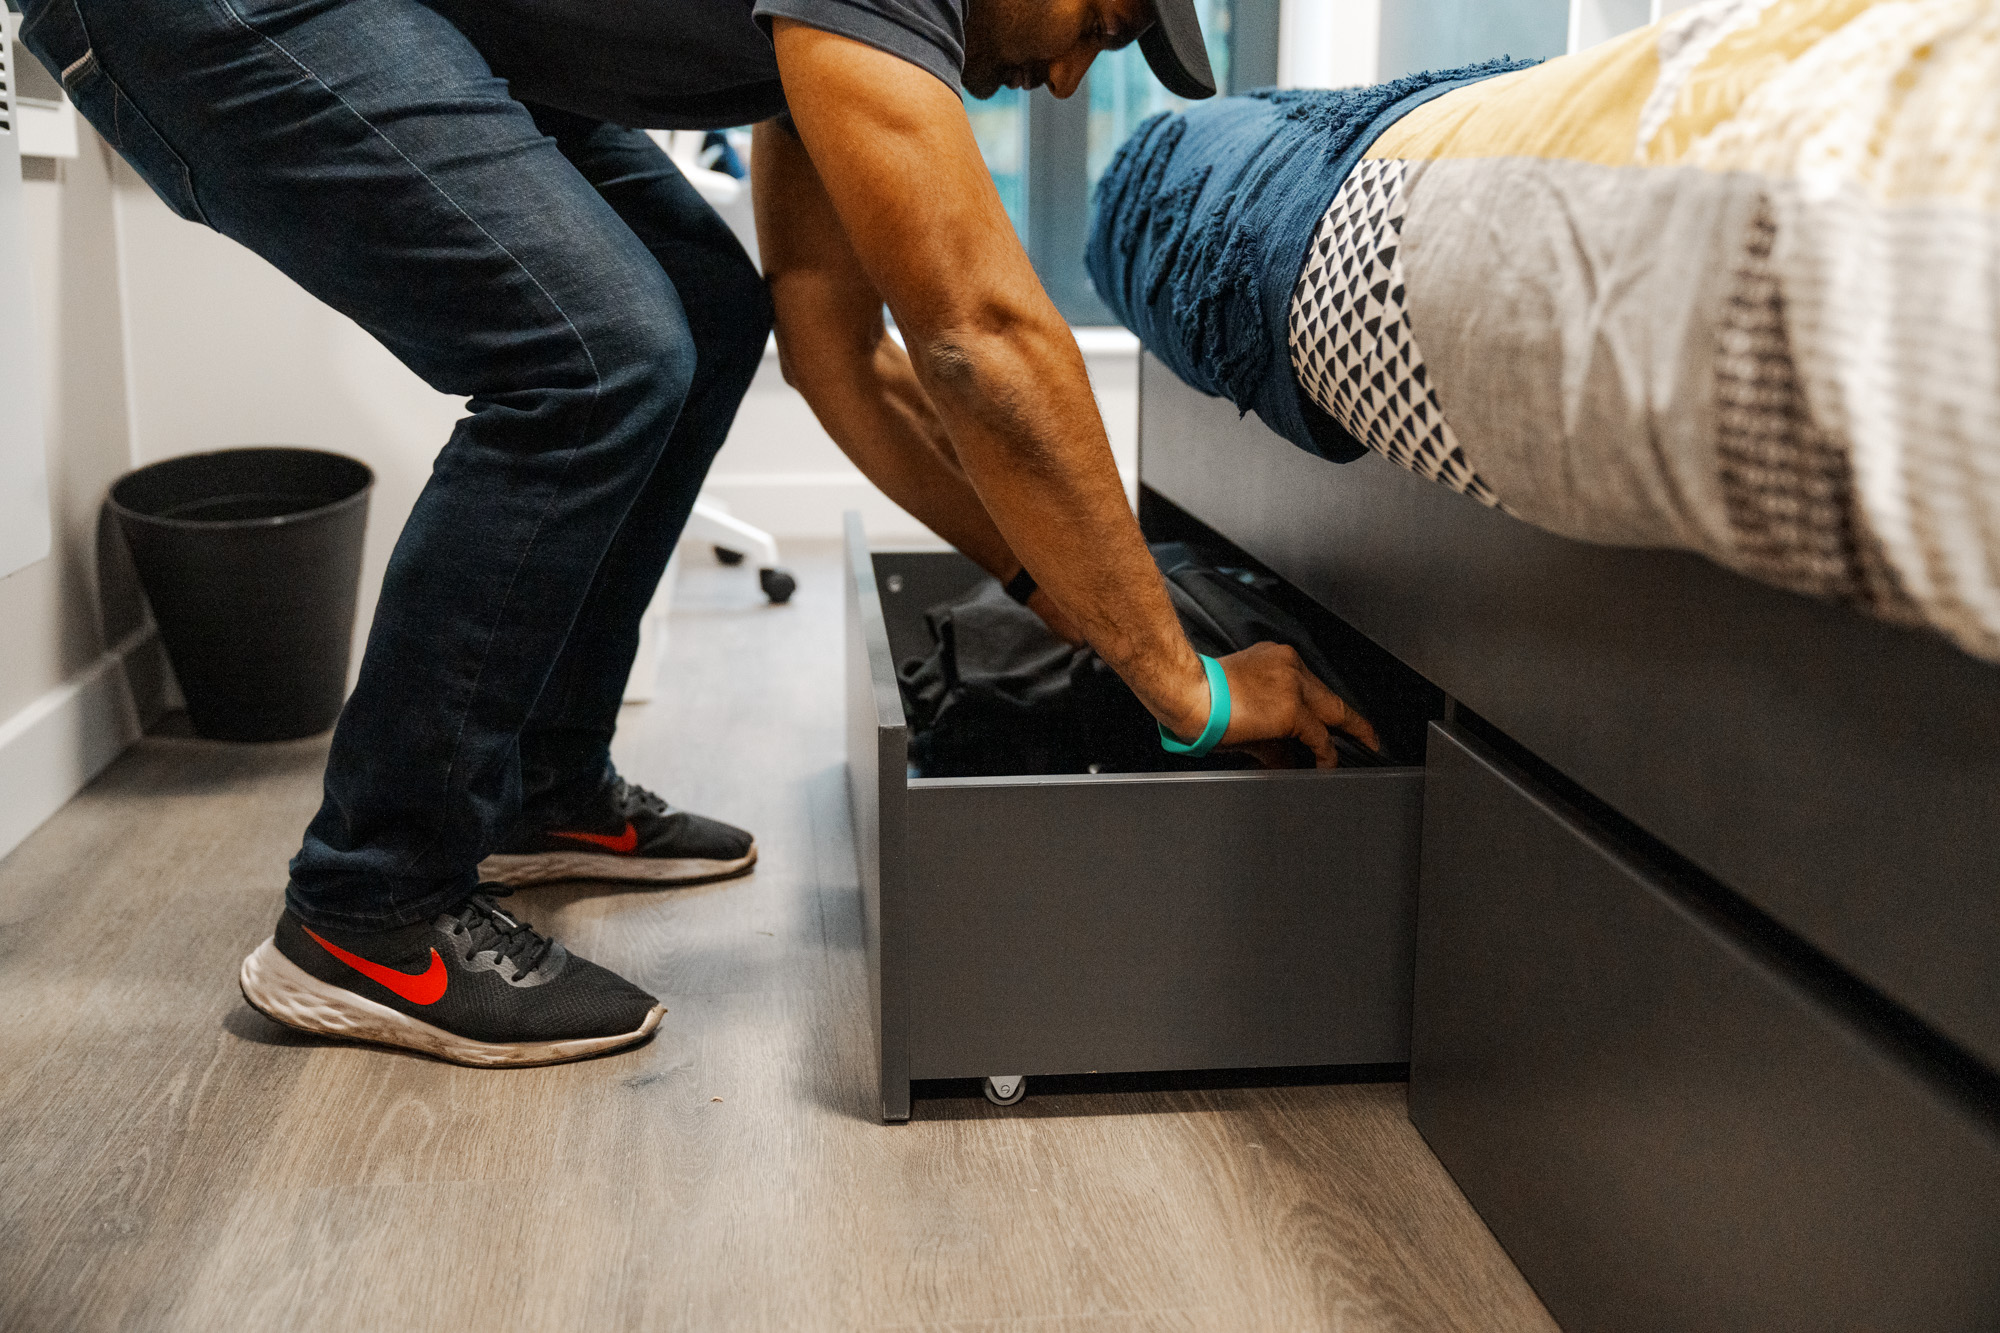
1174	48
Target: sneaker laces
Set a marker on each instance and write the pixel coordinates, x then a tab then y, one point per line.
630	795
489	928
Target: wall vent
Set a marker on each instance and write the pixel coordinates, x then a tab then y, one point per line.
24	476
6	83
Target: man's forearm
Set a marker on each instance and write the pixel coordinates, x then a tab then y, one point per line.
1015	396
835	349
873	407
1024	422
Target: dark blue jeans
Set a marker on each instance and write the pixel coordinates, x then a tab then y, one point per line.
557	272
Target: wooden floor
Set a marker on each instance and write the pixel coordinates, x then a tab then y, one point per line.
171	1160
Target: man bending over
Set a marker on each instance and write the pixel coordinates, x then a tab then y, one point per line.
455	176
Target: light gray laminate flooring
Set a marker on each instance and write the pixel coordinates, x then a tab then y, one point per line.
171	1160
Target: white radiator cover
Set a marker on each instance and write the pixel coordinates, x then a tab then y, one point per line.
24	471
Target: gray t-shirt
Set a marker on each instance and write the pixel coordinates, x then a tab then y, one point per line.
686	64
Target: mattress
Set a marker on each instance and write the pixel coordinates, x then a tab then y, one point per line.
1729	284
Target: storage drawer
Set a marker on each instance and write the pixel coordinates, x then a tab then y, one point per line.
1112	922
1667	1116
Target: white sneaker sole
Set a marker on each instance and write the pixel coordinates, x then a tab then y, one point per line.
281	990
548	867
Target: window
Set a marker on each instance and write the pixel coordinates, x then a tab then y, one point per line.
1000	124
1438	34
1123	91
1046	155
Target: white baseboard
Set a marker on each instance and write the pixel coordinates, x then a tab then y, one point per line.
57	744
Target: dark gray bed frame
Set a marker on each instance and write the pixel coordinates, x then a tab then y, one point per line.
1707	1000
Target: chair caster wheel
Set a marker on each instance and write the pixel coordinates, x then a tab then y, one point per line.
727	556
1006	1089
777	585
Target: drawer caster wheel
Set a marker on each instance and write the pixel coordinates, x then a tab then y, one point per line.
777	585
724	555
1006	1089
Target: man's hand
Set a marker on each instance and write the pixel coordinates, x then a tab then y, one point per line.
905	183
1272	695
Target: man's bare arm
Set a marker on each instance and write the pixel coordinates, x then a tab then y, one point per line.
836	350
911	192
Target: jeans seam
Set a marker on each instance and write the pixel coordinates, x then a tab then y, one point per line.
74	73
597	377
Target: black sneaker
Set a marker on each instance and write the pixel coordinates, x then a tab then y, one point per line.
625	833
474	986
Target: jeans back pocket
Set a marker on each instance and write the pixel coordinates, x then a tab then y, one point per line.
54	31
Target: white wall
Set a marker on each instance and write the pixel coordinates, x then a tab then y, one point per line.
1337	43
79	665
1329	43
1594	21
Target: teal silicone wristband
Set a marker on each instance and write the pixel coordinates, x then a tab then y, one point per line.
1218	714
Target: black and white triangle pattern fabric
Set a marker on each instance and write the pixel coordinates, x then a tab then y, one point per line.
1352	348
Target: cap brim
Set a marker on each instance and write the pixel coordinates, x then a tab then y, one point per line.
1174	48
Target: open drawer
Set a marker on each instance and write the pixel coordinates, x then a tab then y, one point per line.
1112	922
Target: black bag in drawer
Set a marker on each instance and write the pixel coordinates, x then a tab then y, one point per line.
1001	695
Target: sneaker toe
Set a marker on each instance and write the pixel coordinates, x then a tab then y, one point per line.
594	1001
698	836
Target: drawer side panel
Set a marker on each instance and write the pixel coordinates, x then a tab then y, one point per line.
877	748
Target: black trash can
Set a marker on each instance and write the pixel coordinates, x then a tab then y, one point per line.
251	559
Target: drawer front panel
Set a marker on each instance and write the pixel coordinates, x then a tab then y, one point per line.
1665	1129
1232	920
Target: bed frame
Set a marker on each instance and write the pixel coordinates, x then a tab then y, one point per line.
1707	1015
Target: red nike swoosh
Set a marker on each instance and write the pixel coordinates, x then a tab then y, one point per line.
426	987
625	843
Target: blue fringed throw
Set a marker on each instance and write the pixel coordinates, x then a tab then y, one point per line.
1202	223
